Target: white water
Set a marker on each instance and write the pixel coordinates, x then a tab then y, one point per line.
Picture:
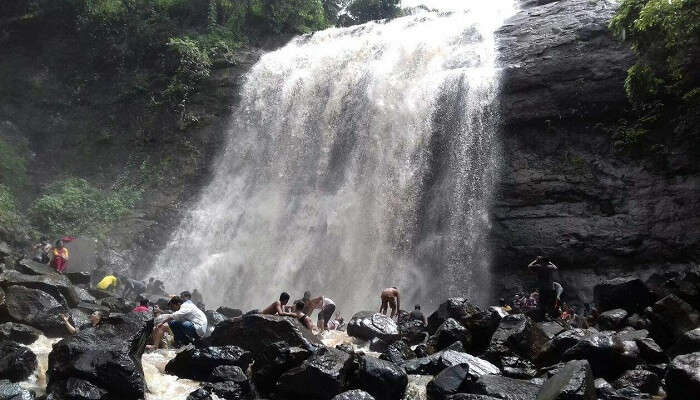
358	159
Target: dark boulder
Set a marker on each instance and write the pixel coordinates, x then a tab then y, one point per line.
36	308
78	278
76	389
612	319
639	379
213	318
354	395
683	376
108	356
435	363
84	296
457	308
689	342
638	321
13	391
199	363
54	284
229	312
31	267
367	325
503	388
230	390
469	396
573	382
398	353
450	381
224	373
448	333
200	394
320	377
609	355
19	333
412	331
671	318
516	334
604	390
115	304
382	379
276	359
17	362
255	332
651	351
630	294
550	329
516	367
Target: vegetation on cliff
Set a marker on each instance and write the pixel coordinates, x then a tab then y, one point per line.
664	83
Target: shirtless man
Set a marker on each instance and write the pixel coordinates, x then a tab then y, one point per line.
303	318
325	306
276	307
390	297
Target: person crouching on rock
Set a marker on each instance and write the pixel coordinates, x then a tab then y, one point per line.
187	323
545	281
302	317
109	283
142	307
417	315
59	257
325	306
95	320
390	298
276	308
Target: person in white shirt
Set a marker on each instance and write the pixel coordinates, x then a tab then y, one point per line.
187	323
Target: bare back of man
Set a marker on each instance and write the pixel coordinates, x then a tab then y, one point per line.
390	298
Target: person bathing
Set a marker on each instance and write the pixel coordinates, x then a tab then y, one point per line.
325	306
390	298
277	308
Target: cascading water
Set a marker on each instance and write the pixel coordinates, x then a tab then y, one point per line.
358	158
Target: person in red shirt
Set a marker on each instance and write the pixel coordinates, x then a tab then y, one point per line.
59	257
142	307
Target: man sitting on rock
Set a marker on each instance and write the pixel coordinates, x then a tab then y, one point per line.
43	251
545	269
276	308
187	323
390	298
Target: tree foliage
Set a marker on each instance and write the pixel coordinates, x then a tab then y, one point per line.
663	83
368	10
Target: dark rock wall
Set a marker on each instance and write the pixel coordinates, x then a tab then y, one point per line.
564	191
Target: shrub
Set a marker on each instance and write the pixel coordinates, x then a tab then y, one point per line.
74	207
13	169
189	65
368	10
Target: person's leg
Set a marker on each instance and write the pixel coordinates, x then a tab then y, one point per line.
190	332
178	332
158	333
384	306
392	304
328	311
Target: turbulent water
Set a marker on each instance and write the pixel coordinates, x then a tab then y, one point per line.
358	159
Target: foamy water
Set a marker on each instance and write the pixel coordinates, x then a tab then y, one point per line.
42	347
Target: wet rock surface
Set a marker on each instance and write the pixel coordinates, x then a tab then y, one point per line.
17	362
573	381
19	333
382	379
199	363
37	309
368	325
13	391
683	376
320	377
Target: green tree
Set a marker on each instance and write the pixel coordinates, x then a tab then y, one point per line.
368	10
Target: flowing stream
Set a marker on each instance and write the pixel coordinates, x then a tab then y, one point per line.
358	158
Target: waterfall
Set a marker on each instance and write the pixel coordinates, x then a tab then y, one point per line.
358	158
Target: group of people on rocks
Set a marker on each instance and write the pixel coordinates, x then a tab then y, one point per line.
55	255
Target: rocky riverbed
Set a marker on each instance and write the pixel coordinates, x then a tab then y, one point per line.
644	344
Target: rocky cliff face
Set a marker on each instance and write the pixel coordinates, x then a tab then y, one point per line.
564	191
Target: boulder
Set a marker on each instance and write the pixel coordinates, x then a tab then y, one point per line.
213	318
398	353
612	319
516	367
17	362
448	333
671	318
320	377
367	325
689	342
54	284
550	329
108	356
604	390
255	332
450	381
78	278
229	312
683	376
573	382
115	304
13	391
516	334
469	396
75	388
19	333
84	296
36	308
224	373
31	267
354	395
457	308
630	294
651	351
382	379
200	394
503	388
199	363
638	379
607	353
637	321
230	390
276	359
435	363
412	331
